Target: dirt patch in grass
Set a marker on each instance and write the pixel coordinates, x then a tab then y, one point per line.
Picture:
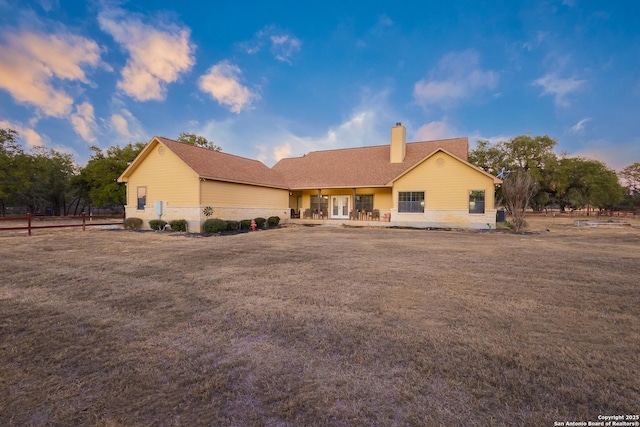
320	326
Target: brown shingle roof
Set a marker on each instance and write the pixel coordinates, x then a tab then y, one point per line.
359	167
224	167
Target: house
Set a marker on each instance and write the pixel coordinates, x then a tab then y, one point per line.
421	184
172	180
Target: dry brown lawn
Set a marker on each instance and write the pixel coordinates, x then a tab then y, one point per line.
320	326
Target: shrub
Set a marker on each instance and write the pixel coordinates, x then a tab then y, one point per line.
232	225
132	224
273	221
178	225
214	225
260	222
245	224
157	224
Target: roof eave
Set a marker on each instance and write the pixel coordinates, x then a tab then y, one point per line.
256	184
341	187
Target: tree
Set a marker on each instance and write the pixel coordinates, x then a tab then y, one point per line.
10	174
97	183
518	188
198	141
490	158
631	174
584	182
533	154
44	179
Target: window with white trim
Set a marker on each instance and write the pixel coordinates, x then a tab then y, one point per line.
142	198
476	201
411	201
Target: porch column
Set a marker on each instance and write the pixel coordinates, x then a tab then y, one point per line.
353	202
319	203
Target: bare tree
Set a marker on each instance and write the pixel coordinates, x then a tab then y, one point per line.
518	189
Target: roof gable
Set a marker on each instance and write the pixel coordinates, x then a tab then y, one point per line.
496	180
361	166
214	165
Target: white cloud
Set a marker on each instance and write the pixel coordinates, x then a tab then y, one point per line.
580	125
49	5
120	124
156	57
222	82
30	63
435	130
126	124
30	136
283	46
360	129
457	76
616	155
539	37
84	122
282	151
368	124
558	87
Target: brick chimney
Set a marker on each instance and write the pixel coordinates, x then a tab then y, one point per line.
398	143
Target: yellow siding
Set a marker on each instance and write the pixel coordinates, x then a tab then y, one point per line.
166	178
226	194
398	144
446	182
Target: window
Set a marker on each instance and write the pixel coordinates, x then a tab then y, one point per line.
411	201
364	202
324	204
142	198
476	201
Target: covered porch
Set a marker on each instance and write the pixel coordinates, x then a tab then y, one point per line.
344	204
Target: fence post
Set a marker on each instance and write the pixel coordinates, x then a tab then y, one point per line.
84	220
29	224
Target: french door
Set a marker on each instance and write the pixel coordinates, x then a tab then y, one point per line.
340	206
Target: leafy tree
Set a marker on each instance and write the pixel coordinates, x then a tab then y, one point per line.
584	182
44	178
532	154
490	158
10	174
198	141
97	184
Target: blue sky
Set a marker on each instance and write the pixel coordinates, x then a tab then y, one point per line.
267	80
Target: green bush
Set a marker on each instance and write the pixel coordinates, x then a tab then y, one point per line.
245	224
260	222
214	225
273	221
232	225
178	225
132	224
157	224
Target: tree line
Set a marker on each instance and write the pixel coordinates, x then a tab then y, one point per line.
559	181
47	181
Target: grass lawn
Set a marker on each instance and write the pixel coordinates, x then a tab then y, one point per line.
320	326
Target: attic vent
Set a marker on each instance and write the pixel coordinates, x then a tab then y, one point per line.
440	162
161	150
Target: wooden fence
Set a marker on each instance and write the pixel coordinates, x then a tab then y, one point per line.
38	222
